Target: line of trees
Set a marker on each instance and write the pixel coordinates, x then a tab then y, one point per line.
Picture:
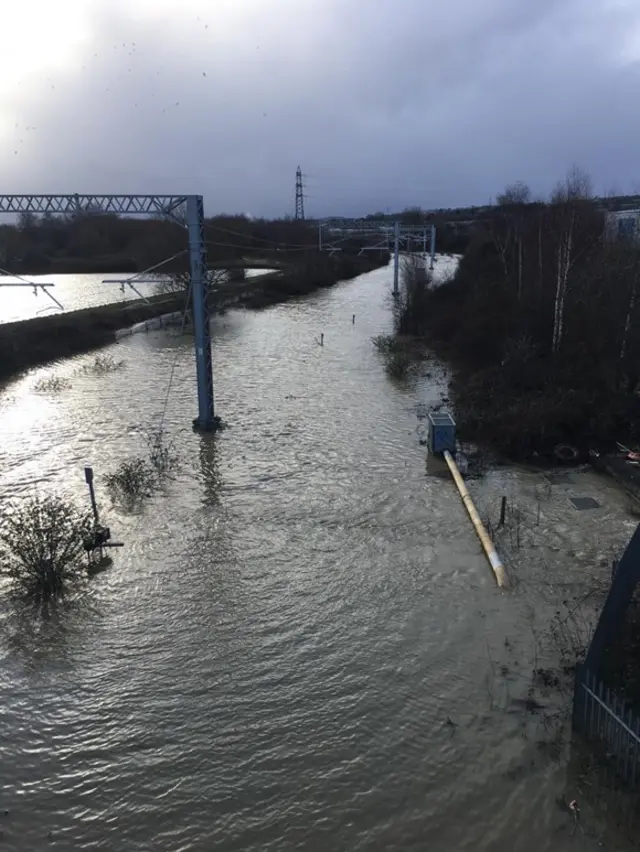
93	241
543	323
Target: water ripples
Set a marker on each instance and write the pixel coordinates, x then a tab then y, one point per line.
291	652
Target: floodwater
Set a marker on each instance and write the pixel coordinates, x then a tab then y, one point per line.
301	645
72	292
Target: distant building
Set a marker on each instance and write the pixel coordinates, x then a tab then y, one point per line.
623	224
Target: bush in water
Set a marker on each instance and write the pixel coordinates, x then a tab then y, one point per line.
133	478
42	548
162	455
385	343
103	365
51	384
397	359
136	478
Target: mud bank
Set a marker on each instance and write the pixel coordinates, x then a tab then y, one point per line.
32	342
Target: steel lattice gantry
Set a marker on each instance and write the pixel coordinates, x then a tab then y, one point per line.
146	205
384	234
128	205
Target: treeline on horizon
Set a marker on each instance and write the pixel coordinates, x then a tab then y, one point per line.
542	324
96	242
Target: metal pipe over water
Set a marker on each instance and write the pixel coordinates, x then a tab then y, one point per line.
487	545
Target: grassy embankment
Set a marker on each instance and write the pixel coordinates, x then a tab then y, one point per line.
43	339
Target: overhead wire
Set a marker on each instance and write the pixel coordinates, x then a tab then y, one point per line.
158	265
285	246
188	296
175	360
25	282
259	248
251	237
289	247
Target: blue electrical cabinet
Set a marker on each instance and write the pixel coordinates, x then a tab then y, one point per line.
442	433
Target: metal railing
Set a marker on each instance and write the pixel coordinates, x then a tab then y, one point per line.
607	720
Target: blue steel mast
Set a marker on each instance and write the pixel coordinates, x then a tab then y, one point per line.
145	205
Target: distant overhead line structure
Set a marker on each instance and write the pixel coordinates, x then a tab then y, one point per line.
333	232
299	195
180	208
381	235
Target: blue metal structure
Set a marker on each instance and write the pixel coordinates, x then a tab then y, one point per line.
146	205
442	433
624	582
331	232
206	420
128	205
606	719
407	236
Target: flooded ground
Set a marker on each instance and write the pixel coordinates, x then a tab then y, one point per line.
301	645
73	292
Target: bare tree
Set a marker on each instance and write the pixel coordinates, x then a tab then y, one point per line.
514	193
576	186
178	282
565	262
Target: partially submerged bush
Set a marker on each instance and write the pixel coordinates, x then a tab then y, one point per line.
178	282
133	478
397	360
51	384
103	365
136	478
408	317
385	343
42	547
397	364
162	455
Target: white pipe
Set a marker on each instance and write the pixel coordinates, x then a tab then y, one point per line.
483	535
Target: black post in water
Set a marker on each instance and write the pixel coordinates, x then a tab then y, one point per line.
88	475
503	511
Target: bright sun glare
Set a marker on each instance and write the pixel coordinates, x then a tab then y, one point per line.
42	37
39	37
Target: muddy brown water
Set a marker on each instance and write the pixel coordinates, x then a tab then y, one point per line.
301	645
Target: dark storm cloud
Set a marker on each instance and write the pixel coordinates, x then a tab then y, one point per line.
384	104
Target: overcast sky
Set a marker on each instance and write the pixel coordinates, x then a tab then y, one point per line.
383	103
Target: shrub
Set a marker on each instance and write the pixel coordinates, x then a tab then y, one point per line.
134	478
385	343
162	455
42	547
103	365
51	384
397	364
396	357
